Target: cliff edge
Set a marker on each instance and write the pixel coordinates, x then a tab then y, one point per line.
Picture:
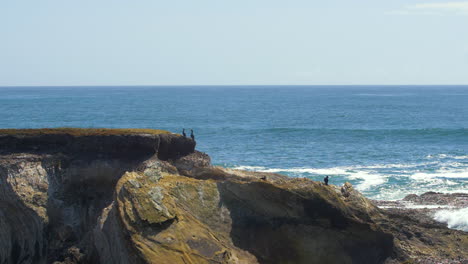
147	196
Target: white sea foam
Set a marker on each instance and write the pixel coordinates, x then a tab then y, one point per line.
396	165
411	205
456	173
328	171
422	176
368	178
428	206
449	182
250	168
419	206
394	193
443	156
447	177
456	219
448	170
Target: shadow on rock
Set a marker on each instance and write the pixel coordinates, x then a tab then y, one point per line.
278	225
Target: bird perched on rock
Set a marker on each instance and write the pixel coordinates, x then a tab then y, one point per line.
263	178
326	180
183	133
191	135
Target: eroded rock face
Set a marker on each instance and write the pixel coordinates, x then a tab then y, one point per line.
54	188
300	222
175	220
169	205
23	217
181	220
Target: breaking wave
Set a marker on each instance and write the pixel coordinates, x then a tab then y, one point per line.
456	219
390	181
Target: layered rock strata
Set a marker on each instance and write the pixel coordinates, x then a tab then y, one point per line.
144	197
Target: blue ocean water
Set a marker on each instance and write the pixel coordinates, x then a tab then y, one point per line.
388	141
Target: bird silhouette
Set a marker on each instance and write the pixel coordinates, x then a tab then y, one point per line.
191	135
183	133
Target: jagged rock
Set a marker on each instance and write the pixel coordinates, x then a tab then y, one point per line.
434	198
54	186
192	161
149	198
346	189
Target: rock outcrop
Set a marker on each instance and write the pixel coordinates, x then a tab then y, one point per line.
129	196
455	200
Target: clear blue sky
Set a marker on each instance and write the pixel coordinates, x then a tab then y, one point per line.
231	42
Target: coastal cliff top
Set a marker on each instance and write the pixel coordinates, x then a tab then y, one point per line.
130	143
79	132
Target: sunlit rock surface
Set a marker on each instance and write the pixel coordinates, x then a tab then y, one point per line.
129	196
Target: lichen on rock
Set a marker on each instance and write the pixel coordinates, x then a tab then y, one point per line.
137	197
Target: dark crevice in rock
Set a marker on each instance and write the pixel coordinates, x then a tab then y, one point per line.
153	229
278	226
15	252
78	192
82	173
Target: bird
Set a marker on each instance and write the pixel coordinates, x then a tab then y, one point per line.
263	178
183	133
191	135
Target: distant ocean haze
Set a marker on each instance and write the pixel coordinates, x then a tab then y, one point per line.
388	141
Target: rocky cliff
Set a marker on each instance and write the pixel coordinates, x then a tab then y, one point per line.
146	196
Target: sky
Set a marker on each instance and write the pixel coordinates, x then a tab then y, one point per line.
233	42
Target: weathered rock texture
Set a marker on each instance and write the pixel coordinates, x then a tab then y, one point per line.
151	198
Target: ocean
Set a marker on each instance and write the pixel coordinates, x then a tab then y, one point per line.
388	141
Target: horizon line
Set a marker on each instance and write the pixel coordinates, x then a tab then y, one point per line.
225	85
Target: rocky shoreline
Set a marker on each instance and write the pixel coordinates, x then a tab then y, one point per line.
429	200
427	207
113	196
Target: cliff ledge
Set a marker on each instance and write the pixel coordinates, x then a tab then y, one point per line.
147	196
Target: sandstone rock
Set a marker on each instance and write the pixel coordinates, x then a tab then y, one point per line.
346	189
149	198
